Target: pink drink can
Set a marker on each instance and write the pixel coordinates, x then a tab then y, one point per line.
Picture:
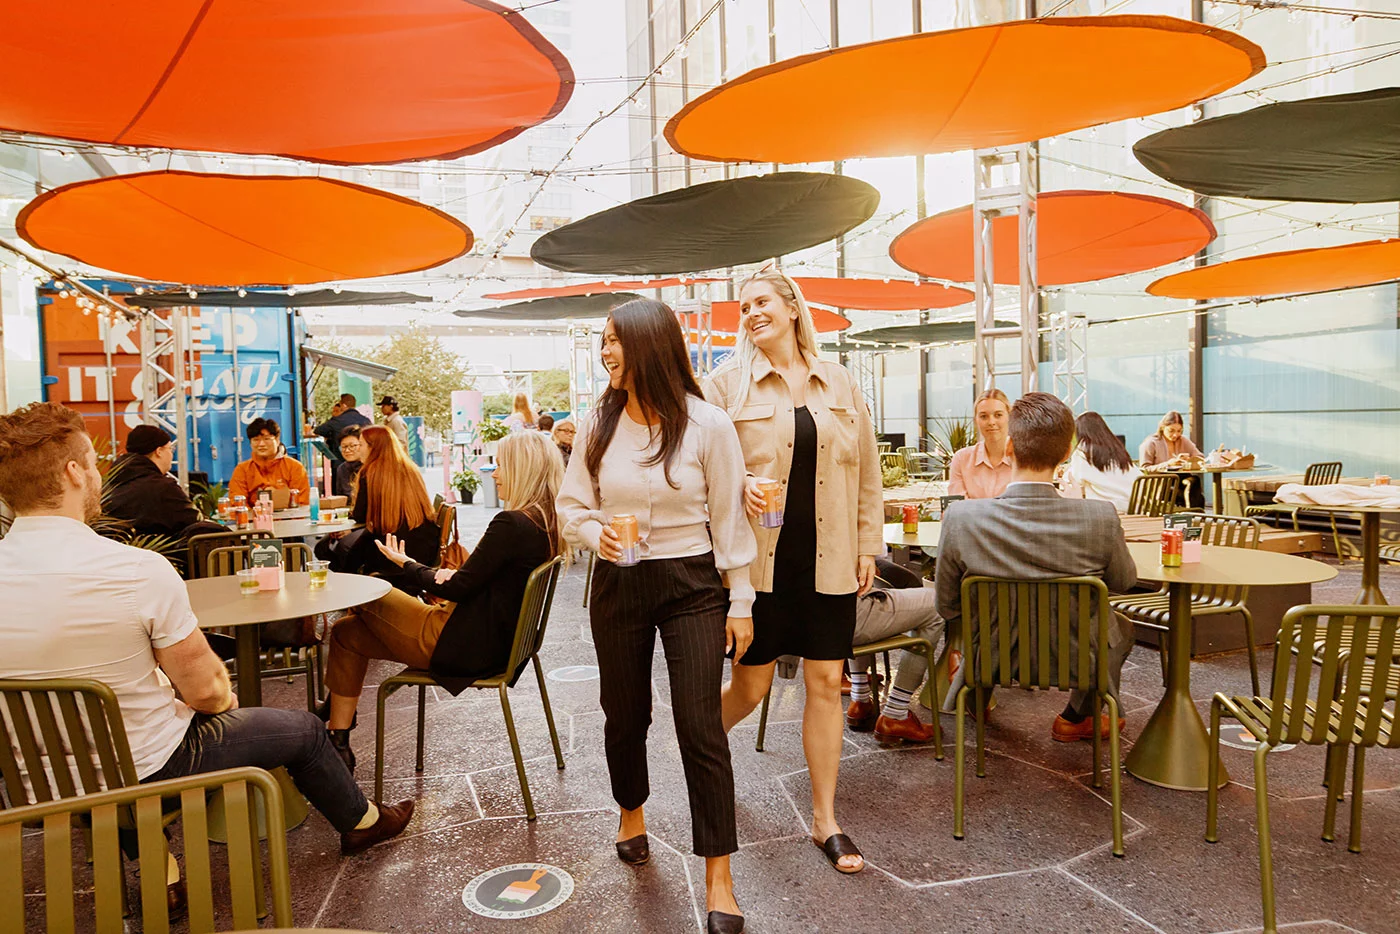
628	536
772	515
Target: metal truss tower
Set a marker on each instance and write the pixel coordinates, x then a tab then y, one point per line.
1006	183
1069	355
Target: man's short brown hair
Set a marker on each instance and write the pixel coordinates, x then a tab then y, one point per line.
1041	429
36	444
347	399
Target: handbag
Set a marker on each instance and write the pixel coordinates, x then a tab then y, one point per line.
453	555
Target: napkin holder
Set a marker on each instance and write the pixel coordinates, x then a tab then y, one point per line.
265	557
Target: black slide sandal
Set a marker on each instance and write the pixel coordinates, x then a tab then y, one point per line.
838	845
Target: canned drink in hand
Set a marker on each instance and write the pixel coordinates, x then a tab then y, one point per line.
628	535
772	515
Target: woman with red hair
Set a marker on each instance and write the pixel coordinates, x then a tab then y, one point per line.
390	499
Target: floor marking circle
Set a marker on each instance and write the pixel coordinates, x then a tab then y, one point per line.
574	673
520	890
1244	739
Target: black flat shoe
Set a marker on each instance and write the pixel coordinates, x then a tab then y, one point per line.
635	851
719	922
836	846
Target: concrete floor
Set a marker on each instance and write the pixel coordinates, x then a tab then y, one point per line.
1036	854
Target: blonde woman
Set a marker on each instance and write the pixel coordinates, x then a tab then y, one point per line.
521	416
1168	441
802	422
983	470
471	636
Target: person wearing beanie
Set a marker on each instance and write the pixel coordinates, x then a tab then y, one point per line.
141	490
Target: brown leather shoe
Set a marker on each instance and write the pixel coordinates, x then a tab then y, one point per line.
176	900
1062	731
393	818
861	715
909	730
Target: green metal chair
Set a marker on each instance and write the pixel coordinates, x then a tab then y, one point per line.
919	465
1153	611
103	812
1154	494
1390	552
198	547
1323	472
1018	634
529	635
1334	703
282	660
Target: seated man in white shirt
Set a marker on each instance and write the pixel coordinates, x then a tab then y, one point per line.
78	605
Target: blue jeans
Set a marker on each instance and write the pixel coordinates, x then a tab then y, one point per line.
266	737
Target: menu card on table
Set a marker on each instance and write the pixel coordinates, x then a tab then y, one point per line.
266	557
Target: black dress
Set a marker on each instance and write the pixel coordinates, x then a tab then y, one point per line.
794	619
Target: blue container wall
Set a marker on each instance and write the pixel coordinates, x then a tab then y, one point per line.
266	384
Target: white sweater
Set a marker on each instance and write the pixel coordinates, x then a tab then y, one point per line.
708	471
1089	482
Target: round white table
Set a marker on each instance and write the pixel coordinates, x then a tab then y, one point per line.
218	604
301	528
1174	748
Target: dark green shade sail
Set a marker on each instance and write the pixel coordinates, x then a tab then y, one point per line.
935	332
557	308
319	298
726	223
1341	149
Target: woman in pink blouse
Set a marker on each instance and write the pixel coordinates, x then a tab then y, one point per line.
1167	442
983	470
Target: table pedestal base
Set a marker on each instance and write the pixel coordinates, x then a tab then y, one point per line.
293	804
1174	748
1370	594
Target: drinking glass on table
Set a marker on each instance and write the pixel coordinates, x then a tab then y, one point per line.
248	581
317	570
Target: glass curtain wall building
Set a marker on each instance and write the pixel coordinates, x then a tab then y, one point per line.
1294	380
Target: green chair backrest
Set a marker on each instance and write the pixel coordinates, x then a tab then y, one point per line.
199	546
1227	532
1322	472
233	558
1154	494
1339	675
244	858
79	717
534	613
1019	633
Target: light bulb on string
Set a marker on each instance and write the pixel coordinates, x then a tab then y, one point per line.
193	294
140	290
684	51
242	293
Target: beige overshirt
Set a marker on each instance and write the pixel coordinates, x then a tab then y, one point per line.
849	507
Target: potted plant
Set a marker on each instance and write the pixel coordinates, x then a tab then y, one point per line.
949	436
491	431
466	482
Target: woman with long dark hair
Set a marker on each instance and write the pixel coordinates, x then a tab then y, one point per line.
803	425
654	453
469	637
390	499
1100	467
1168	441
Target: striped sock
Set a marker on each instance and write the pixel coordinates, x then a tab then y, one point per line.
897	703
860	686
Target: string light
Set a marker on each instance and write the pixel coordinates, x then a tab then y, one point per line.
242	292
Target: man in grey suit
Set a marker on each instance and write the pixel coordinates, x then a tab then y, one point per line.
1031	533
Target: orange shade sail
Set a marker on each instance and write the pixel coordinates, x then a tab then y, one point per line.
724	316
1288	273
598	288
992	85
341	81
1081	236
881	294
240	230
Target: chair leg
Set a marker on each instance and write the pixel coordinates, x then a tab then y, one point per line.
548	714
1336	536
1097	742
889	680
310	678
1336	787
1253	654
1162	654
1213	774
422	717
379	699
937	714
1266	846
515	750
959	759
588	578
1115	776
1358	778
981	713
763	720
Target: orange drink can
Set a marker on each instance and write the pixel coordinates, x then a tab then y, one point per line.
911	519
772	515
628	534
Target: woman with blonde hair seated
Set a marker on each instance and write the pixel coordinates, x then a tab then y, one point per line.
983	470
1168	441
470	636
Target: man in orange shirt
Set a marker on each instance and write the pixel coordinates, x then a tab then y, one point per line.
270	467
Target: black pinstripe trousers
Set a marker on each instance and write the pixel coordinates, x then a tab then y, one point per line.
681	598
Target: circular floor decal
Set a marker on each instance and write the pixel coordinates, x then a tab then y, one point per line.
522	890
575	673
1238	737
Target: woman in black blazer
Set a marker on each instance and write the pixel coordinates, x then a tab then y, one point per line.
471	636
